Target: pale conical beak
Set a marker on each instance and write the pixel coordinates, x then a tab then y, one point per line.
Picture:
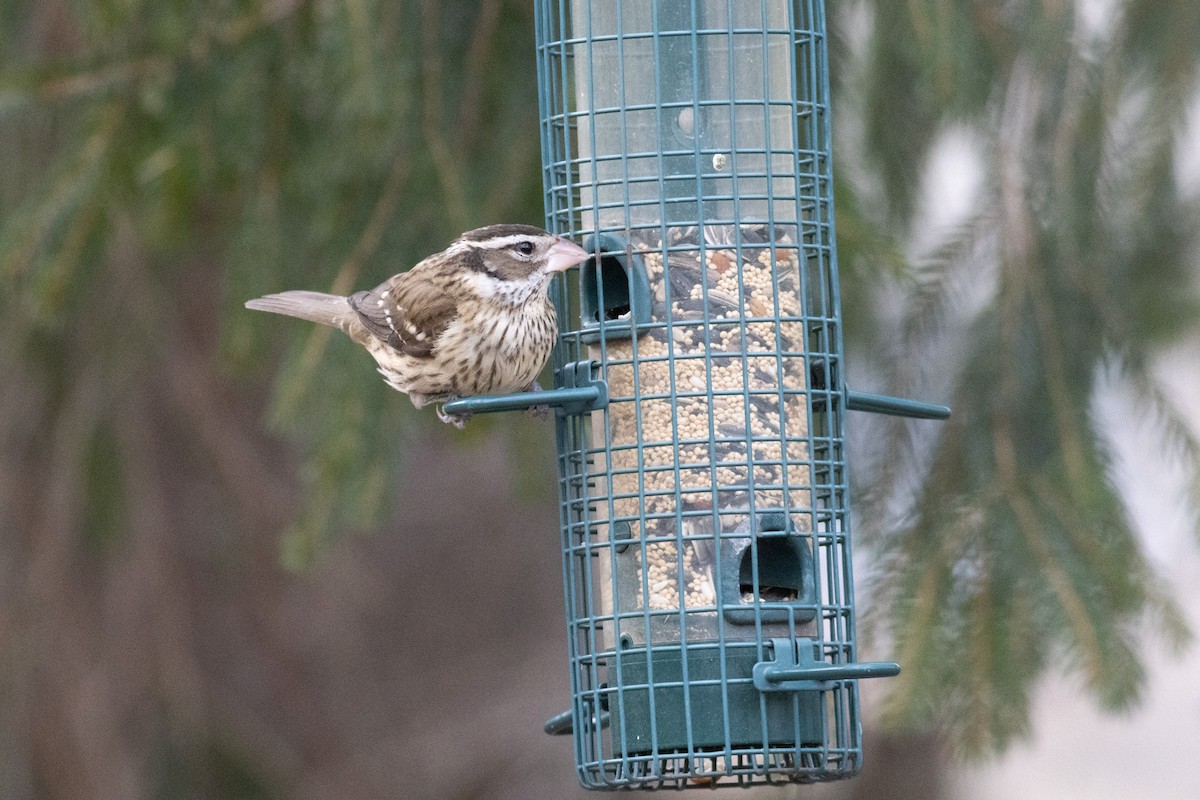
565	254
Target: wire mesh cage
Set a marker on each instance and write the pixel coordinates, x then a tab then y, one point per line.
706	550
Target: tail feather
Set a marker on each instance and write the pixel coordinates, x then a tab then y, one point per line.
326	309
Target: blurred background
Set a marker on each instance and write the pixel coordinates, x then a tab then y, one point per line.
233	564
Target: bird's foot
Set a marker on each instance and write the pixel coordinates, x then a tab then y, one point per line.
537	412
457	420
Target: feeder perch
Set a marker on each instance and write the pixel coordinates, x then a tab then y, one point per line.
699	394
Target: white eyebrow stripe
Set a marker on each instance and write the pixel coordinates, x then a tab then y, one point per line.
503	241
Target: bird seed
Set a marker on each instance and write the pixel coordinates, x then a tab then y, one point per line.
707	410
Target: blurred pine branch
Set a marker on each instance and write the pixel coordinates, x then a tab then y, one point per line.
1006	546
254	147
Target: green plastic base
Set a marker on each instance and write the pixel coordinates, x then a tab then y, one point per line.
783	719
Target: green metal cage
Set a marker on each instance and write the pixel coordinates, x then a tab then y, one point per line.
704	503
706	550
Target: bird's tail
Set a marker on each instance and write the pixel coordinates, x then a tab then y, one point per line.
326	309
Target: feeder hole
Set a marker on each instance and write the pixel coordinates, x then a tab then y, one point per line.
780	572
608	281
614	290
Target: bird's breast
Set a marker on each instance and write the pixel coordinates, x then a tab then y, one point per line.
489	349
514	349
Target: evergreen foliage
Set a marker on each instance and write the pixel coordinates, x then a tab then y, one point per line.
169	160
1005	547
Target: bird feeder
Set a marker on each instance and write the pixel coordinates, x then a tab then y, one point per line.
702	475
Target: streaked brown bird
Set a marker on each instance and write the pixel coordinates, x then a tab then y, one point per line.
473	319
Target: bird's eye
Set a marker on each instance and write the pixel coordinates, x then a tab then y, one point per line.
525	248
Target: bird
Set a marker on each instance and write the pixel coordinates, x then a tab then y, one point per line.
473	319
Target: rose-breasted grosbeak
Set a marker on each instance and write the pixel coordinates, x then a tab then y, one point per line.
473	319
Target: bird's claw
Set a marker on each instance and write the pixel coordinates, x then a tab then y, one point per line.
457	420
538	412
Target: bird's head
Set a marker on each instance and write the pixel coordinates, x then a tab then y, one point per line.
514	262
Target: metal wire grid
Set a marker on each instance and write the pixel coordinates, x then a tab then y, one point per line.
662	694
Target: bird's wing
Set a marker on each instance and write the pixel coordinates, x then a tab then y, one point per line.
409	314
